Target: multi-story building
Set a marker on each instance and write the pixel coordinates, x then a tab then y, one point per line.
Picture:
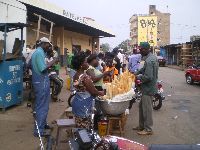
153	27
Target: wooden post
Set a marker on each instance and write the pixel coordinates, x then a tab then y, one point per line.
38	29
39	23
51	31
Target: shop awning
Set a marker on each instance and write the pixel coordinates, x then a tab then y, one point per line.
64	18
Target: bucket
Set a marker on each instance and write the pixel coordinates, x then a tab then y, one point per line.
102	127
68	80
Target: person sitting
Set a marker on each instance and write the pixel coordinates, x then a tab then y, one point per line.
83	101
54	77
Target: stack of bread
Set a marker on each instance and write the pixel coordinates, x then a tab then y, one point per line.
120	85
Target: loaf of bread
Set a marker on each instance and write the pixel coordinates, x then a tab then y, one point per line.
120	85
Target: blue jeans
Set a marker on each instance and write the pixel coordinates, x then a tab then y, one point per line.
41	85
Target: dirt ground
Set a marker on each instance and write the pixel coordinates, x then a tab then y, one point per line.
177	122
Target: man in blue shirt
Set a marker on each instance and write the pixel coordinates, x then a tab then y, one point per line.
41	85
134	61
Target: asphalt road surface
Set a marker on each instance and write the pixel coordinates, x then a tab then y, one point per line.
178	121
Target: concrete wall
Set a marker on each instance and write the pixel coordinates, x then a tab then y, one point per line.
62	38
72	38
31	33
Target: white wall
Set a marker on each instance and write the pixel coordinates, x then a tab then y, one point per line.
12	11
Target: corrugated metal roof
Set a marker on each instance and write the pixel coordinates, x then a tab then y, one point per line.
45	5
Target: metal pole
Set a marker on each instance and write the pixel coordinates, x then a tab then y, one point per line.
5	31
22	43
147	31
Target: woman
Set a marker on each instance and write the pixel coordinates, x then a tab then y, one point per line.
97	77
86	91
95	74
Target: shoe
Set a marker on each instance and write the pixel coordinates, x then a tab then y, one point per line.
48	127
138	128
144	132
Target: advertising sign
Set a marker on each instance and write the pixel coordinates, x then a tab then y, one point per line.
147	29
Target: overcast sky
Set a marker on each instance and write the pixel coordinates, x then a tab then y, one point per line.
115	15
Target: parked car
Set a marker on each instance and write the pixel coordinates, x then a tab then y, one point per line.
161	60
192	74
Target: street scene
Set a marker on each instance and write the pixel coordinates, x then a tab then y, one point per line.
85	78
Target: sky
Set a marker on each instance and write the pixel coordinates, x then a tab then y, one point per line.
115	15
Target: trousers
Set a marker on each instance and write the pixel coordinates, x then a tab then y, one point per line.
42	100
145	112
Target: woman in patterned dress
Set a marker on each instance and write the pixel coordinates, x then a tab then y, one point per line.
84	99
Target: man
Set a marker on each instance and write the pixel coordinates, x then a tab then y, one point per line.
148	76
134	61
41	85
121	56
56	55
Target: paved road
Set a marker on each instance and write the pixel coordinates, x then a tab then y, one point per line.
178	121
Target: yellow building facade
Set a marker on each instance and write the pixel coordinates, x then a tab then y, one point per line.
147	29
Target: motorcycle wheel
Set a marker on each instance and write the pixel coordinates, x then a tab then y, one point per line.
157	102
70	99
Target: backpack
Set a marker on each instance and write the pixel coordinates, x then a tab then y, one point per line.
27	63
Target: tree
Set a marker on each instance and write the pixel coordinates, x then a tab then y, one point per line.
124	45
105	47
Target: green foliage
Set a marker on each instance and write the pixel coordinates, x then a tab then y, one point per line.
105	47
124	45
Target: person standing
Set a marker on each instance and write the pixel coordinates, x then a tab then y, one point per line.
116	59
56	55
102	64
134	61
120	55
41	85
148	76
97	78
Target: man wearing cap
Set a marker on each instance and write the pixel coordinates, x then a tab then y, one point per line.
148	76
41	85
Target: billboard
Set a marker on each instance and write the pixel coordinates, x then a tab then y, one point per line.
147	29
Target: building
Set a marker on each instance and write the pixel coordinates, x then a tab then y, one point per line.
65	29
153	27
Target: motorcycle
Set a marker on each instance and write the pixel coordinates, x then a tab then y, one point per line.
89	139
157	98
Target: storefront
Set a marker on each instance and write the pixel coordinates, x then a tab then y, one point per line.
66	30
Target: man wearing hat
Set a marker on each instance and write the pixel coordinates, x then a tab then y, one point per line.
148	76
41	85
